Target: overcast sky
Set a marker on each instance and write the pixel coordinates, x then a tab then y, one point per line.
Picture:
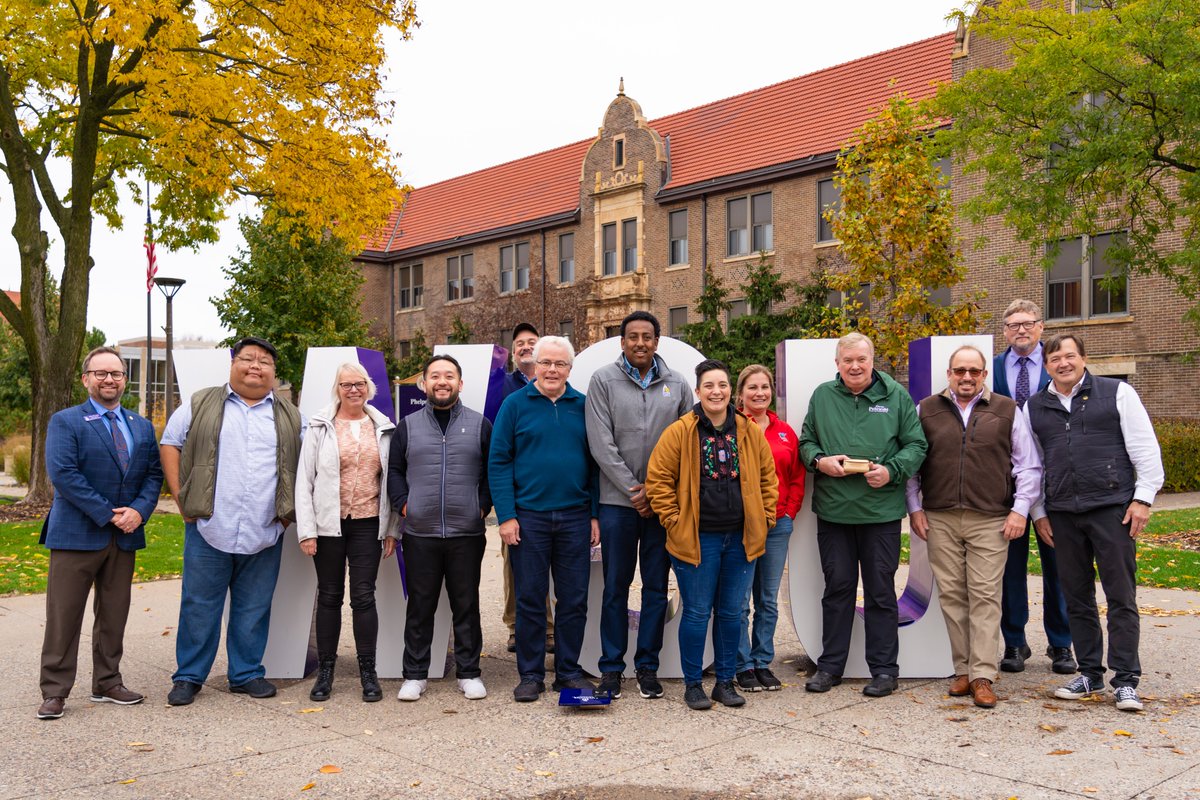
484	82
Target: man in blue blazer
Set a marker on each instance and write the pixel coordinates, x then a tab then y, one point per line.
104	464
1019	372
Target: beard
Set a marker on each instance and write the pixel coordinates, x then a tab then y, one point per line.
443	403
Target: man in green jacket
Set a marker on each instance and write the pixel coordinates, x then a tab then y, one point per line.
863	440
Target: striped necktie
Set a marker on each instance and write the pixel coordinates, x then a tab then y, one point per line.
1022	381
118	440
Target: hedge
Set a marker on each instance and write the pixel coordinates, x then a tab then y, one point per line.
1180	442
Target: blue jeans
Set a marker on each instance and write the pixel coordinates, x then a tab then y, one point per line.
558	542
626	538
207	574
718	583
768	572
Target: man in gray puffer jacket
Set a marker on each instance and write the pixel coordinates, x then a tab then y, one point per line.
437	481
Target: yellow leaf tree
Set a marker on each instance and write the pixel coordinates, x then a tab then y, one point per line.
895	222
273	100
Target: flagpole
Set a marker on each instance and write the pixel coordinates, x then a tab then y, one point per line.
147	403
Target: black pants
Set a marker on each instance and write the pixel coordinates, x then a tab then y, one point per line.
1086	543
358	547
844	548
427	562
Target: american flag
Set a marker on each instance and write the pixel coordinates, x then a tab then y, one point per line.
151	259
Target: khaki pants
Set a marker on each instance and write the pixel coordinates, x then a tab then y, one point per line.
967	551
510	600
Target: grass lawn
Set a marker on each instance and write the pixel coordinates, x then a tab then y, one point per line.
23	561
1160	563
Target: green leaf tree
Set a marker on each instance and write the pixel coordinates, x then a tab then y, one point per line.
707	335
896	226
460	331
294	289
209	102
419	353
1093	126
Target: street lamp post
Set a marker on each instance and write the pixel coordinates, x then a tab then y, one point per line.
170	287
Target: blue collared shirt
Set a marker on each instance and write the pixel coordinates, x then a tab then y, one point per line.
122	423
243	519
633	372
1012	369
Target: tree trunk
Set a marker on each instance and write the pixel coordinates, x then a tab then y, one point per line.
51	393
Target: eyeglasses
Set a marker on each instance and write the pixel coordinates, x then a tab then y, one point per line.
102	374
1021	326
360	386
559	365
974	372
266	363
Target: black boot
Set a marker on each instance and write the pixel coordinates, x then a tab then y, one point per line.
372	693
324	683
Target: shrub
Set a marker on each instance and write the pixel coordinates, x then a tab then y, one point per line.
20	471
1180	443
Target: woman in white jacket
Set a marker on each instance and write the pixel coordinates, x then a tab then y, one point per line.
344	520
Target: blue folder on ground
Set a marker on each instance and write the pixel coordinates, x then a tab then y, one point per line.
583	698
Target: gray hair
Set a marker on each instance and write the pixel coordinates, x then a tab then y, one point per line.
1018	306
982	358
359	370
854	340
557	341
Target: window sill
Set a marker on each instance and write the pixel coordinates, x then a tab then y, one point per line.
410	309
828	244
515	292
677	267
460	301
564	284
748	257
1126	319
620	275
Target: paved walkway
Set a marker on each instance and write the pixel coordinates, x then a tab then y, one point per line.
918	743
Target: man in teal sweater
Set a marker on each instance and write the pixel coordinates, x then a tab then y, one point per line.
863	440
545	489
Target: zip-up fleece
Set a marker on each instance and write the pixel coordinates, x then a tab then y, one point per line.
318	478
879	424
673	487
441	476
624	422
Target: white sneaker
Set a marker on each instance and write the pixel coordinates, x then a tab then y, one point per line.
411	690
473	688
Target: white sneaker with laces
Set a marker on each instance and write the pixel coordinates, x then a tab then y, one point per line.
1127	699
472	688
411	690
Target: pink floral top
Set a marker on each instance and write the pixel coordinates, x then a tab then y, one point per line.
358	460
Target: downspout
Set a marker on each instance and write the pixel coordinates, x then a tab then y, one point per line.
392	303
703	242
543	327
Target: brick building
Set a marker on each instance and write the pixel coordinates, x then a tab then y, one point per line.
573	239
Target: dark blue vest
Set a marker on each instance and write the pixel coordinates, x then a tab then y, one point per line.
1086	464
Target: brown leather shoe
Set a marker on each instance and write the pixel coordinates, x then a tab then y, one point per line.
981	688
119	695
960	686
51	708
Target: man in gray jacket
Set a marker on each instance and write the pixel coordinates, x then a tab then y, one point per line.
629	404
437	481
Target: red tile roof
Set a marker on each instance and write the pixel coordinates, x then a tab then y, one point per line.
810	115
14	296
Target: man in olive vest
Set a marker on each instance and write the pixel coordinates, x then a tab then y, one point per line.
234	515
971	498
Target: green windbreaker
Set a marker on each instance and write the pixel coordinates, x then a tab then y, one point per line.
880	424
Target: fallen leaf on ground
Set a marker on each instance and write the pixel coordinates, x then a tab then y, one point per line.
541	773
136	744
128	781
1050	728
369	733
594	739
310	710
956	719
330	769
307	786
1089	789
1120	732
1060	752
449	711
414	784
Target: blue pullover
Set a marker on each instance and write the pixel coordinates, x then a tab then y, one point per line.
539	458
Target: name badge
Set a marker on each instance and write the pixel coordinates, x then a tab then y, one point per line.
91	417
666	390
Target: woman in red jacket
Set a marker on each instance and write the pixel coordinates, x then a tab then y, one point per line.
756	647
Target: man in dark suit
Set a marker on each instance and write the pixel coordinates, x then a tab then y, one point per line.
103	462
1019	372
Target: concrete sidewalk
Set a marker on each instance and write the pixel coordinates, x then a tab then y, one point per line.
918	743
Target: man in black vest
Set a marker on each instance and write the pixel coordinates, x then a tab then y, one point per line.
1103	468
437	480
1019	372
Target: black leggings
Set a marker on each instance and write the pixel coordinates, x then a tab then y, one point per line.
359	547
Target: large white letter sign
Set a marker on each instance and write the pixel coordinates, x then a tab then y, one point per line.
802	365
682	358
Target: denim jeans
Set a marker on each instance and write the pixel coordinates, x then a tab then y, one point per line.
756	648
208	573
557	542
717	584
627	540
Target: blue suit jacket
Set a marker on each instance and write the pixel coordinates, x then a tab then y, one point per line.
1000	375
81	461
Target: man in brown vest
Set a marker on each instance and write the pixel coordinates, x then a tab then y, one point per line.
971	497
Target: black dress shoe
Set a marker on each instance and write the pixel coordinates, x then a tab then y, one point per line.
1014	658
822	681
183	693
880	686
257	688
1062	661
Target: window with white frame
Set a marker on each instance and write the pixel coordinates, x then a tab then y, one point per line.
828	196
748	220
608	245
566	258
411	281
629	245
514	267
1083	282
460	277
677	231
